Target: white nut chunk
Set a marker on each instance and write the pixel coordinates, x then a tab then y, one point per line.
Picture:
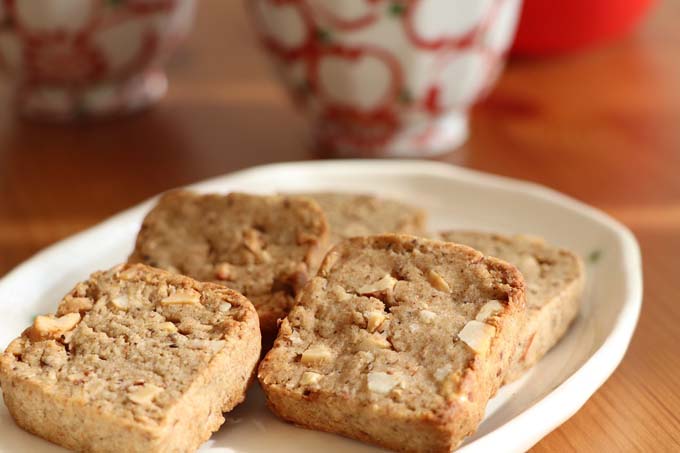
437	281
529	267
121	302
75	304
310	378
374	342
443	372
168	327
182	297
295	338
316	354
374	319
477	335
225	307
51	327
339	292
144	394
130	273
427	316
488	310
380	382
384	284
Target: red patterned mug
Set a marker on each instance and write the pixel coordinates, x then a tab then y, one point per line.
74	58
387	77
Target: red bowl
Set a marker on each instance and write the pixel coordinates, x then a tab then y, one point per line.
555	26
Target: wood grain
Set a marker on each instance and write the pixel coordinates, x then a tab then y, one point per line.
602	126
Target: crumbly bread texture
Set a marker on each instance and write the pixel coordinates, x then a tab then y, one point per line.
554	279
261	246
351	215
135	360
398	341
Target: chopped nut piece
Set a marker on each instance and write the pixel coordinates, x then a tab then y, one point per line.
223	271
367	355
427	315
182	297
310	378
45	327
442	372
295	338
380	382
340	293
374	320
121	302
477	335
225	307
315	354
252	239
168	327
129	274
144	394
75	305
529	267
375	341
488	310
384	284
437	281
358	319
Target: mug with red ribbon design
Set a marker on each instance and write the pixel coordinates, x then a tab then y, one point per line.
81	58
386	78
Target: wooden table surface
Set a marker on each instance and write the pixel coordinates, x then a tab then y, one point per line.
602	126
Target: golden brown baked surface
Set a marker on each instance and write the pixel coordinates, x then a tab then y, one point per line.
555	279
398	341
136	359
261	246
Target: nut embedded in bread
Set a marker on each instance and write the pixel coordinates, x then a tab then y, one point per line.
398	341
261	246
136	359
554	278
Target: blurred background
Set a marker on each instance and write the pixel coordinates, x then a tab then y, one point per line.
596	119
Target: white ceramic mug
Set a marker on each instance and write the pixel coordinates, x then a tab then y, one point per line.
387	77
79	58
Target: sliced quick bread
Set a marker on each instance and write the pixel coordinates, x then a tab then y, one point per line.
135	360
399	341
261	246
554	279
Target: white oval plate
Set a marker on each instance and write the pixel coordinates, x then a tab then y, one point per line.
518	417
